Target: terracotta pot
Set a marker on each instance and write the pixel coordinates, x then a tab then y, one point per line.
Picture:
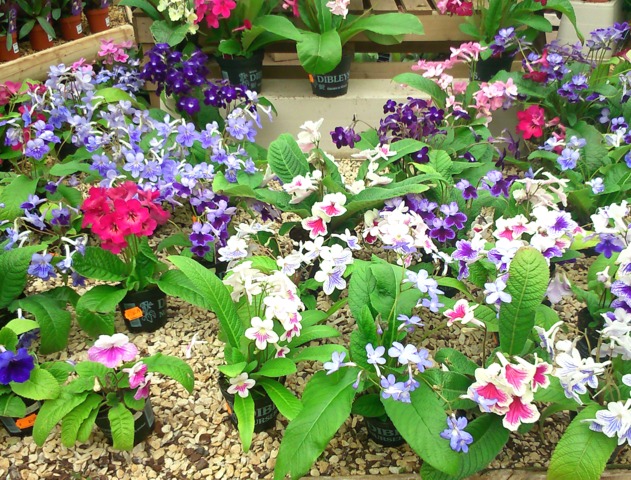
71	28
40	40
98	19
11	53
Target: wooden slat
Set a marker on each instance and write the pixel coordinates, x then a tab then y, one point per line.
37	65
142	23
384	6
417	7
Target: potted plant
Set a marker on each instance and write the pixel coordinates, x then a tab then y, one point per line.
264	324
37	15
111	389
9	48
69	14
171	22
238	35
327	29
98	14
23	382
501	26
123	218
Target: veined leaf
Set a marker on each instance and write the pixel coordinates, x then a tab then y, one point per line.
286	159
287	404
122	426
244	410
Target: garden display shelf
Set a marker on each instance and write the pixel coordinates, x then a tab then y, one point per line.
37	65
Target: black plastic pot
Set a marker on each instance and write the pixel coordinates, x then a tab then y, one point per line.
144	423
486	69
22	427
219	267
334	83
265	412
145	310
383	432
590	337
242	70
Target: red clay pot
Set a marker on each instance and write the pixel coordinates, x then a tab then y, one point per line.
98	19
13	52
40	40
71	28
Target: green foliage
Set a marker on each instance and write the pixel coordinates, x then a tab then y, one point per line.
122	426
13	272
172	367
14	194
319	353
41	385
277	367
12	406
581	454
72	423
95	309
53	319
244	410
287	404
100	264
286	159
527	284
456	361
327	402
369	405
52	412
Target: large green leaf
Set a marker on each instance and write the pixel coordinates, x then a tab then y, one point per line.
286	159
489	437
176	284
72	423
318	353
456	361
319	53
581	454
375	196
277	367
54	321
360	287
95	309
52	412
12	406
450	386
13	272
172	367
41	385
387	24
244	410
100	264
327	402
314	332
420	423
122	426
423	84
143	5
14	194
215	297
527	283
285	401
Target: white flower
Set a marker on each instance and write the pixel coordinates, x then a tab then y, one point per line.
331	277
338	7
241	385
262	332
309	136
235	248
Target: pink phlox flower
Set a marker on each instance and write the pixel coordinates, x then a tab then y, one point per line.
112	350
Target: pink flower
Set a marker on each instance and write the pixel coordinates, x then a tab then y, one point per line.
462	313
293	4
338	7
531	122
241	385
143	389
136	374
222	8
330	206
520	411
112	350
315	225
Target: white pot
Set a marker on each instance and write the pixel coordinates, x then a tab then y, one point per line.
589	17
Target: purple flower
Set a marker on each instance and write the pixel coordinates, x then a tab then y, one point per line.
494	292
392	388
41	267
424	361
609	244
60	216
15	367
459	440
405	354
337	361
453	217
469	192
440	231
32	202
190	105
568	159
375	355
344	137
36	149
465	251
622	289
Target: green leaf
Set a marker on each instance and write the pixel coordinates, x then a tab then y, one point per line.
41	385
95	309
21	325
100	264
286	159
277	367
176	284
420	423
314	332
91	369
13	195
214	296
72	423
359	288
172	367
423	84
244	410
319	53
52	412
59	370
375	196
112	95
68	168
13	272
233	370
87	426
122	426
581	453
53	319
318	353
528	278
456	361
12	406
489	437
369	405
288	405
327	401
143	5
8	338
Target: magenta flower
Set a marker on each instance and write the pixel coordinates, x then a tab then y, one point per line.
113	350
136	374
143	389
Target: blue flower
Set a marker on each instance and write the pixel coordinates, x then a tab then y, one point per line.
568	159
41	267
459	440
337	361
375	355
15	367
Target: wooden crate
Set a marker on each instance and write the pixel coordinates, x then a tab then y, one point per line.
281	61
37	65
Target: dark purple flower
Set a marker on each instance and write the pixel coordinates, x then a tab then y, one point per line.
421	156
468	191
190	105
15	367
465	251
441	232
389	106
453	217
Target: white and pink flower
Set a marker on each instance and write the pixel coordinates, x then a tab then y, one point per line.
332	205
463	313
316	226
241	385
262	332
113	350
136	374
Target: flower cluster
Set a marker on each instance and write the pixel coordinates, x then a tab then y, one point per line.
616	334
119	213
507	389
213	10
576	373
180	11
462	8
